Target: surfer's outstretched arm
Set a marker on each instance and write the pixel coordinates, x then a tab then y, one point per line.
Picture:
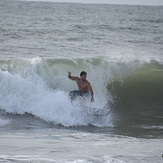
72	77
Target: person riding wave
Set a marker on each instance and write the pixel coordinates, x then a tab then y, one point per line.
85	88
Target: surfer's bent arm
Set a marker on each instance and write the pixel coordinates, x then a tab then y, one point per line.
72	77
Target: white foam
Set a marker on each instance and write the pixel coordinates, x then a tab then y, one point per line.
28	158
29	93
106	159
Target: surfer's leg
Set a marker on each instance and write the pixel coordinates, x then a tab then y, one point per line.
85	95
74	94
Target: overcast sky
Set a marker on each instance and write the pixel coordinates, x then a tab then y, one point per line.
133	2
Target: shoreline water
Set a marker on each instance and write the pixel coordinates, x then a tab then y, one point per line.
59	145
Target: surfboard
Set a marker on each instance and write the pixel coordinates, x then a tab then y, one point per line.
97	111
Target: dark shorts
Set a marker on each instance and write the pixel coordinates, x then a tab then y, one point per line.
76	93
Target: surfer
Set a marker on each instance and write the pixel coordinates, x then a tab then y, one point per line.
85	88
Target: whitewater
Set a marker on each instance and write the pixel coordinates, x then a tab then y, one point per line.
120	48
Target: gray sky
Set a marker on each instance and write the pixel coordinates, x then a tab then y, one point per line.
133	2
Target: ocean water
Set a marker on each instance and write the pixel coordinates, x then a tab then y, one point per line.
121	49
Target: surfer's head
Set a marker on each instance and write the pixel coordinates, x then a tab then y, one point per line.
83	75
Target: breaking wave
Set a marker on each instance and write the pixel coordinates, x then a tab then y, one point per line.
40	86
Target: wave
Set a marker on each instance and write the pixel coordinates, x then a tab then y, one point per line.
145	85
40	86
